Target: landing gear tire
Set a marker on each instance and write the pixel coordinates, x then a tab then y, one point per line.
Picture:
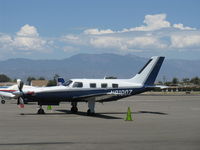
74	109
89	113
2	101
41	111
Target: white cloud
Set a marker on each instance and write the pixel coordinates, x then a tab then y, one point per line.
126	43
157	22
5	41
181	27
70	37
155	34
185	41
106	42
97	31
153	22
146	41
26	39
74	39
28	43
27	31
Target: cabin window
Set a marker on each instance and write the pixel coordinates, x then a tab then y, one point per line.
78	84
68	83
93	85
104	85
115	85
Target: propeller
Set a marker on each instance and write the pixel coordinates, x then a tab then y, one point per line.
20	85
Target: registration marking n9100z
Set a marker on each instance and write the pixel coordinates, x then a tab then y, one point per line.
121	92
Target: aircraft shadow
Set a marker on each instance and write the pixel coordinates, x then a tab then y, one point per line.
47	113
138	112
152	112
96	115
102	115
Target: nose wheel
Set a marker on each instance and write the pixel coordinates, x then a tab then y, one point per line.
2	101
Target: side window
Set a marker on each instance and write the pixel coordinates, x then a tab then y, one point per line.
68	83
78	84
104	85
93	85
115	85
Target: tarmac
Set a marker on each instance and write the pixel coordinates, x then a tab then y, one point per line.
159	123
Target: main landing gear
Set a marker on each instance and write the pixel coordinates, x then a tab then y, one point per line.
91	106
90	111
40	110
74	108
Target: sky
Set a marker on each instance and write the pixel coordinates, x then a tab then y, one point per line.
57	29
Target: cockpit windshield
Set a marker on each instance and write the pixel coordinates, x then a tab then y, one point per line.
68	83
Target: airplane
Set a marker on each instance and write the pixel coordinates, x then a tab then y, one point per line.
6	91
13	88
3	88
89	90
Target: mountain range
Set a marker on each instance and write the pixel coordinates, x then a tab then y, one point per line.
96	66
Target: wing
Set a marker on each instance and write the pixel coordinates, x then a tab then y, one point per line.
101	97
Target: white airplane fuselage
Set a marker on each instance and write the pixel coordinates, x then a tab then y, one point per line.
89	88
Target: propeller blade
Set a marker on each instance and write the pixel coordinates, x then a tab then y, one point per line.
20	100
20	84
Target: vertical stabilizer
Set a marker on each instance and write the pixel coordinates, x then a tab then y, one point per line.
147	75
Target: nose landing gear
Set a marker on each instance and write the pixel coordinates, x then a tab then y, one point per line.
40	110
3	101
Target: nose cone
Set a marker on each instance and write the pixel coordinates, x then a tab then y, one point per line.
17	93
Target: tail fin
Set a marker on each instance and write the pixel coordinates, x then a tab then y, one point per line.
60	81
147	75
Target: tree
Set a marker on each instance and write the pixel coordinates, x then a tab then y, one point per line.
41	78
29	79
51	83
175	81
54	81
160	83
4	78
195	80
56	76
186	80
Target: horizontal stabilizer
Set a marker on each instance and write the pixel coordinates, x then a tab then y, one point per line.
157	86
